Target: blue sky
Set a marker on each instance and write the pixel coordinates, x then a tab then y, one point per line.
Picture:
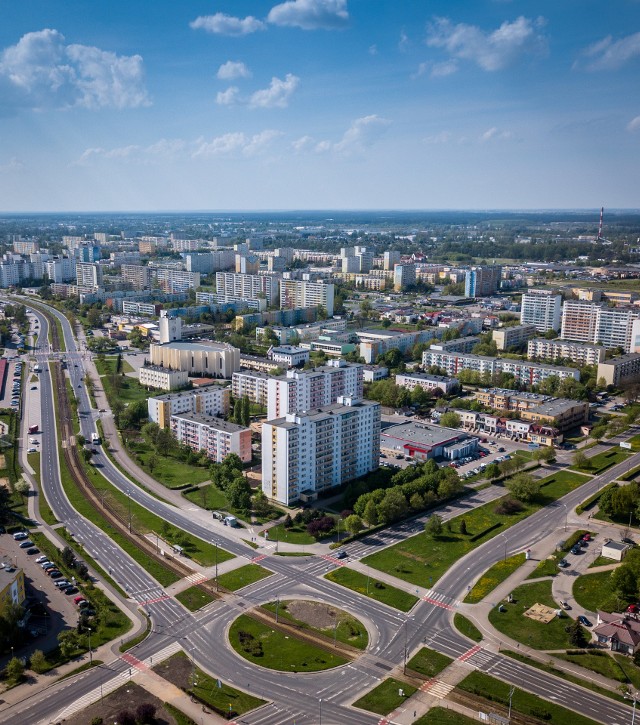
319	104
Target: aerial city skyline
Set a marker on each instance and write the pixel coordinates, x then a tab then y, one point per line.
319	104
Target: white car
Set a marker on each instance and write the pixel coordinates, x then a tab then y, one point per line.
31	450
41	559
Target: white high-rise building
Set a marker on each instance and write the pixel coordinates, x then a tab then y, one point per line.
309	389
297	293
243	286
89	274
209	400
304	454
591	322
542	308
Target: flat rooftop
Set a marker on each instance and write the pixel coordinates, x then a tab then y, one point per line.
423	434
217	423
200	345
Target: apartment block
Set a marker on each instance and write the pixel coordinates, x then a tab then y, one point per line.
577	352
210	400
217	437
162	378
60	269
541	308
525	372
390	259
289	355
374	343
309	389
427	382
482	281
404	276
620	370
460	344
88	274
516	336
591	322
176	280
299	293
137	275
305	454
250	384
232	284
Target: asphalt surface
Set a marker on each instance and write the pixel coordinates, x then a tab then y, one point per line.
294	697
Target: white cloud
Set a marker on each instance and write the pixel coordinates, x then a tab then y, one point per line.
634	124
233	69
608	54
160	150
43	71
223	24
277	94
362	133
446	68
236	143
228	97
491	51
310	14
14	164
496	134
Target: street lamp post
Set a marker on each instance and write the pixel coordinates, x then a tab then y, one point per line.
129	500
215	543
320	711
90	650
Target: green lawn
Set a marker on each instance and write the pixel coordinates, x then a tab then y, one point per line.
194	598
524	702
514	624
422	560
593	591
601	561
128	389
384	698
500	571
547	567
635	443
602	461
604	664
243	576
349	630
205	688
271	648
168	470
428	662
440	716
209	497
467	627
294	535
370	587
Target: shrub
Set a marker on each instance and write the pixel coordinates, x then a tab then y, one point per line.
126	717
509	506
146	713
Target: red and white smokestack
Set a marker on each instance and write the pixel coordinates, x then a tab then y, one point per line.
600	227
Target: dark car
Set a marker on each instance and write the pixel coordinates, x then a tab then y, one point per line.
33	551
583	620
70	590
54	574
341	554
26	544
576	549
563	563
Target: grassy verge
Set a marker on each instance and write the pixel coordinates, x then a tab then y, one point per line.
538	635
428	662
500	571
604	664
119	386
271	648
602	461
381	592
194	598
243	576
211	498
44	510
440	716
422	559
593	500
178	715
523	702
223	700
167	470
130	644
294	535
385	698
346	628
467	627
632	473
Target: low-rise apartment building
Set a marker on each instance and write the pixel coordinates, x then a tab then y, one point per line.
577	352
289	356
427	382
250	384
162	378
211	400
620	370
516	336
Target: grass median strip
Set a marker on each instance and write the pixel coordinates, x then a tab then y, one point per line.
467	627
489	688
373	588
386	697
440	716
423	559
194	598
243	576
494	576
428	662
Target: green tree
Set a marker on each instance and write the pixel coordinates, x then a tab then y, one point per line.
523	487
393	506
353	524
239	493
246	411
370	514
463	527
433	526
492	471
450	420
577	636
580	460
237	412
14	670
38	662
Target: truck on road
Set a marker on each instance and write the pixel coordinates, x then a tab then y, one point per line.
33	428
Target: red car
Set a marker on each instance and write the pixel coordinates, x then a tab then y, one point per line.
586	537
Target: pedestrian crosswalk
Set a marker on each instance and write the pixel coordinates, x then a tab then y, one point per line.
439	600
149	596
437	688
196	578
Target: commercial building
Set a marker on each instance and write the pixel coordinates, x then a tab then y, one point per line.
238	286
216	359
216	437
425	440
309	389
298	293
482	281
620	370
373	373
427	382
542	308
578	352
162	378
309	453
516	336
525	372
209	400
289	355
250	384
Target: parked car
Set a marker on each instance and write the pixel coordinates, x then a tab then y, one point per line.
71	590
563	563
79	599
583	620
26	544
586	537
18	536
565	605
61	583
33	550
41	559
576	549
54	574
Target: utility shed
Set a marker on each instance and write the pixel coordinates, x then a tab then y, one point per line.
615	550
